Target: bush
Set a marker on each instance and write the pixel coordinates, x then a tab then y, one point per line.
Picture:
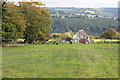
116	42
100	42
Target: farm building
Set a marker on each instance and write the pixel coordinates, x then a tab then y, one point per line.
82	37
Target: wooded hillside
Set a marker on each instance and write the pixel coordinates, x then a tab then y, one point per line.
92	26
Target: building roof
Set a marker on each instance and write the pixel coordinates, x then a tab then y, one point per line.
83	33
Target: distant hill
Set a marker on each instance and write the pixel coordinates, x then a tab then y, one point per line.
111	12
93	20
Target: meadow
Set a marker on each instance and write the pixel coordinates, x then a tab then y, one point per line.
61	61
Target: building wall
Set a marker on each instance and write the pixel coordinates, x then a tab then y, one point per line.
77	37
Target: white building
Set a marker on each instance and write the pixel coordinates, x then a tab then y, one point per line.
81	36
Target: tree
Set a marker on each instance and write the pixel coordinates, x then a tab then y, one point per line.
67	36
91	37
118	35
13	23
38	21
3	2
110	34
71	33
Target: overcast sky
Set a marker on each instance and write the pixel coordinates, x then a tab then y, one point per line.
78	3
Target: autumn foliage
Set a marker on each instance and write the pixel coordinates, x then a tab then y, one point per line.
28	20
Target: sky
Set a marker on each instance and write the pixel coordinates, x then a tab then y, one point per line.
78	3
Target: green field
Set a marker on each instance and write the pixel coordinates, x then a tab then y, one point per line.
61	61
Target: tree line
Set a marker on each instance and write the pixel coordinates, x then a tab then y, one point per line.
27	20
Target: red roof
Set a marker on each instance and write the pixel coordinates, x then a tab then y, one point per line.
83	33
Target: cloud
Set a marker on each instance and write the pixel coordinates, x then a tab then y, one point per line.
78	3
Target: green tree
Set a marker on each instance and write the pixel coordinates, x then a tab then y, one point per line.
38	21
13	23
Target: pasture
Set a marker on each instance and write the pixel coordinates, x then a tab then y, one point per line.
61	61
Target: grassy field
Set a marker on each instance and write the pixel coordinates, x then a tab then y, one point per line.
61	61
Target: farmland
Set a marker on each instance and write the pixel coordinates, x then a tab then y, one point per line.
61	61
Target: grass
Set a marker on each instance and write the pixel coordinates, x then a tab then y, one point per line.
61	61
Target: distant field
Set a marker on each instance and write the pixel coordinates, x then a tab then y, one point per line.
61	61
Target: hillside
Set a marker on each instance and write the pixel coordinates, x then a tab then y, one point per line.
93	20
93	26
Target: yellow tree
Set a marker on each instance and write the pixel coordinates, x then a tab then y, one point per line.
110	34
